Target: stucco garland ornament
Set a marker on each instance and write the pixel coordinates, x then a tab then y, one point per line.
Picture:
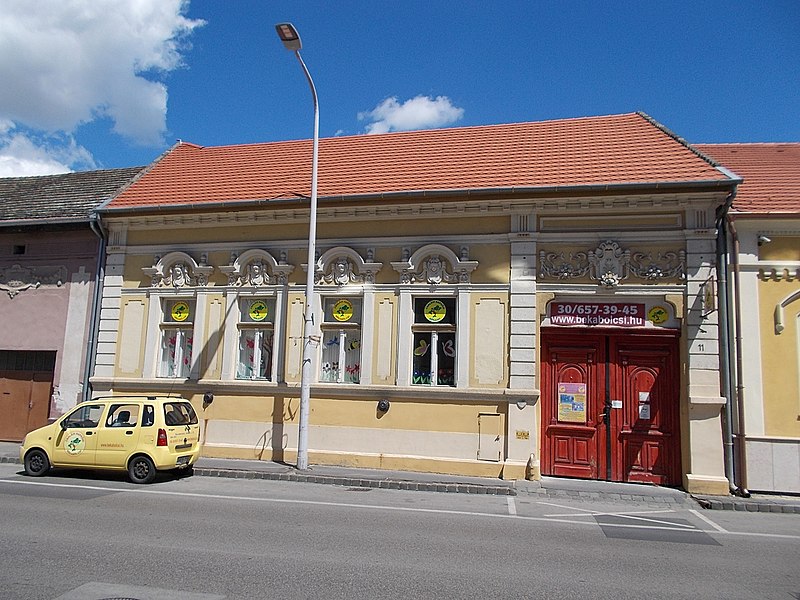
609	279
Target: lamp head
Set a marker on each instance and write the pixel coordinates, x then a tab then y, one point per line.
289	36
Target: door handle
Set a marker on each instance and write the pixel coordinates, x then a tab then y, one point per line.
128	433
89	432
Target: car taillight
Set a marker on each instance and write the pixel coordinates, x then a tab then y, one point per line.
162	438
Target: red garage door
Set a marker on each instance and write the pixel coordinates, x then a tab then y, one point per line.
610	406
26	385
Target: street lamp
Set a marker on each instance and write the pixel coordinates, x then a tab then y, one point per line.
291	39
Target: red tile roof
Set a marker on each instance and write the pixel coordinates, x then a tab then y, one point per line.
771	175
593	151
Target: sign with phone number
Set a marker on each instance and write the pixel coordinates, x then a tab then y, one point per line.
597	314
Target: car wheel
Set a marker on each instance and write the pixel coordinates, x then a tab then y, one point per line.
36	463
141	470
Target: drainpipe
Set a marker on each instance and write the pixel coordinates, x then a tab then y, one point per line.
724	335
94	320
739	435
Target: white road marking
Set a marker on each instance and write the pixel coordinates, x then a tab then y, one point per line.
512	507
626	514
152	492
707	520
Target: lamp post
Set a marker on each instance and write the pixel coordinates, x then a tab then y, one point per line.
291	40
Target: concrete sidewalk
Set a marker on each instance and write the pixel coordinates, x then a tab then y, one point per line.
548	487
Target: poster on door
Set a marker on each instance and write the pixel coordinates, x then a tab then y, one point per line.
572	402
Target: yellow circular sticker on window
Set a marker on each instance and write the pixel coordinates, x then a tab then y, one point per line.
180	311
343	310
435	311
258	310
657	315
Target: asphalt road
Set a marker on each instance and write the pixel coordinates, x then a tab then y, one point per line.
70	536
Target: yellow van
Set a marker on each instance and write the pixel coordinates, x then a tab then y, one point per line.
140	435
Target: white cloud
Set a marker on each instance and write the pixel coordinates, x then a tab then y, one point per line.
421	112
64	63
24	153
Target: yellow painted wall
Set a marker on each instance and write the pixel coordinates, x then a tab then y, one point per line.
599	220
780	248
383	341
138	327
485	335
780	359
407	415
356	229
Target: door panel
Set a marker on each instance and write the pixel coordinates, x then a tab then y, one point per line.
15	394
570	441
41	392
647	427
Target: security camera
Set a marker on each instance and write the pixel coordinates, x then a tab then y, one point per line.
383	405
762	239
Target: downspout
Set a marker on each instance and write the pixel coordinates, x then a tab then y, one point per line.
94	320
739	436
724	336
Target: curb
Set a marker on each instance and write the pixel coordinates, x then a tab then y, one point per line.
386	484
723	503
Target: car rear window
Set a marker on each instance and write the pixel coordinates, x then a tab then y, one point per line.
179	413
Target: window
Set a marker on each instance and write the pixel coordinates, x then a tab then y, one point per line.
434	342
86	417
148	416
256	338
176	338
341	340
179	413
122	415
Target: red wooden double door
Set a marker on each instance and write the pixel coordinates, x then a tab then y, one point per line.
610	406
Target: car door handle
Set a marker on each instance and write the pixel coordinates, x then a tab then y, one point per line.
89	432
129	433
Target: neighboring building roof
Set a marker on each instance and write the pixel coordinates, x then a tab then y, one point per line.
69	197
771	175
592	152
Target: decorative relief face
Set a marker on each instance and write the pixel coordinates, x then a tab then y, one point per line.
435	264
256	268
340	272
342	266
178	270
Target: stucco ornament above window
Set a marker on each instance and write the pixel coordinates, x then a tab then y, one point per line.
609	264
178	270
256	268
343	266
16	279
434	264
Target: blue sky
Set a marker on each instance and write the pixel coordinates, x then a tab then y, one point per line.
109	83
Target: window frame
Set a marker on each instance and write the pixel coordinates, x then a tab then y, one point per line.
183	345
435	330
260	328
343	330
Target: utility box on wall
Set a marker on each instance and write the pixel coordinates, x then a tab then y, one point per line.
490	444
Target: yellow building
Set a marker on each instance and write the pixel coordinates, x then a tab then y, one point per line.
503	301
764	279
